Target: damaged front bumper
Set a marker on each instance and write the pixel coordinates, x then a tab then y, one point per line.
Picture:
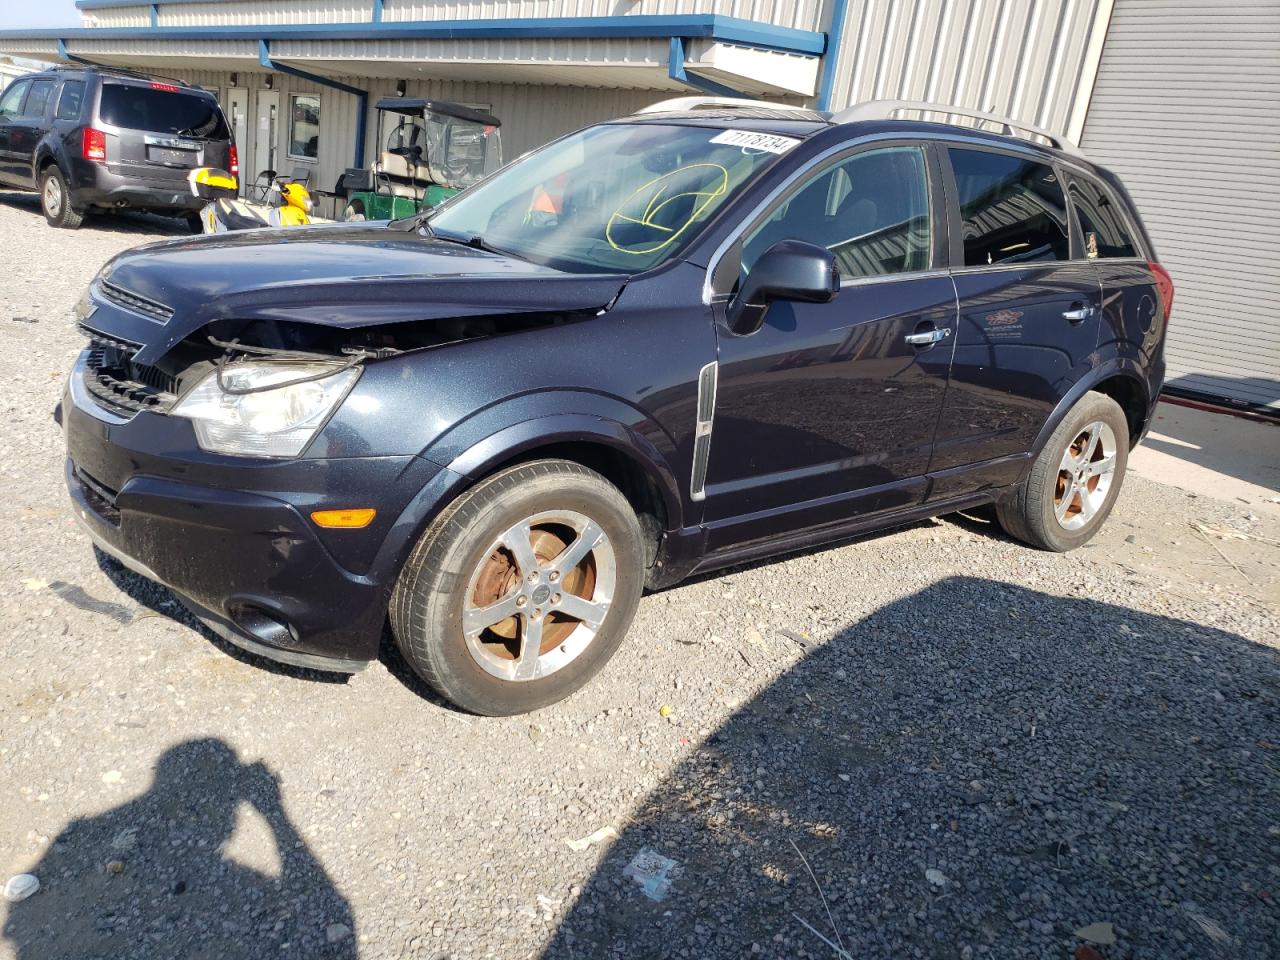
234	540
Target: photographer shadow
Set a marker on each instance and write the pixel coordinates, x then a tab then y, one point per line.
152	877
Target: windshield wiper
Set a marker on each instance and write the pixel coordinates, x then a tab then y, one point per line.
413	222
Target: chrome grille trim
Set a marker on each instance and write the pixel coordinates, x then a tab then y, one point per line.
144	307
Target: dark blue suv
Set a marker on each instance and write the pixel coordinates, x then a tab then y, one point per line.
701	335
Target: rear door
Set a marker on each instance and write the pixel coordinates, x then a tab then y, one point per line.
31	124
1029	315
11	102
159	132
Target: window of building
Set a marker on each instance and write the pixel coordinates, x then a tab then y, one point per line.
871	210
1013	210
1102	223
38	99
69	102
304	126
11	101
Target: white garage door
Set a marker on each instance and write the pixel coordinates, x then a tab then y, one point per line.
1186	110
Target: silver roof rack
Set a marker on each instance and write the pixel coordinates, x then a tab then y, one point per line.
681	104
888	109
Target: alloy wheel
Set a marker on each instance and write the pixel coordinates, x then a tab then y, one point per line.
1085	475
539	596
52	195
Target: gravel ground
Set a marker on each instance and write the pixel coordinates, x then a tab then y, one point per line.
969	748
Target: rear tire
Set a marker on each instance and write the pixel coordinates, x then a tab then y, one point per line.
503	630
1075	480
55	200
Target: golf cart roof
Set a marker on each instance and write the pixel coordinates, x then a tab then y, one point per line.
416	107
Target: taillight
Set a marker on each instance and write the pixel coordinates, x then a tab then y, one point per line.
1164	289
235	162
95	145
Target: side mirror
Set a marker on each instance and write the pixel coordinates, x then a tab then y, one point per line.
789	270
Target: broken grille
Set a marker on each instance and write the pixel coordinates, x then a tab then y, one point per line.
123	386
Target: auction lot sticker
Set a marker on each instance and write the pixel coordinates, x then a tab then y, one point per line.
749	140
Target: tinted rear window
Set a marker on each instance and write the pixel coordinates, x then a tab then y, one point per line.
69	102
1105	232
161	111
1013	210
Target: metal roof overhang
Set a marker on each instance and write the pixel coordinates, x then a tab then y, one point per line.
623	51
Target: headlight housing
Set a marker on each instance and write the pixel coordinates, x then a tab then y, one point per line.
253	418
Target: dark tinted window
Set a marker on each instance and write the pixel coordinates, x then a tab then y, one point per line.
38	100
161	111
70	100
11	100
871	210
1102	225
1013	209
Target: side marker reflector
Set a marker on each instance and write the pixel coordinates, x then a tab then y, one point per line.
344	519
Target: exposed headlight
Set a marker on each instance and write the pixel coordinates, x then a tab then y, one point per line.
273	422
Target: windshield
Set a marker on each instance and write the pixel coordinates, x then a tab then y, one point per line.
611	197
161	111
452	152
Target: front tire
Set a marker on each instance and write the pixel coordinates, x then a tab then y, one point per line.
522	589
55	200
1075	480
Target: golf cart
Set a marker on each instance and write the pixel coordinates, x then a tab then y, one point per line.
433	150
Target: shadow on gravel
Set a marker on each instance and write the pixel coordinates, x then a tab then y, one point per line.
161	600
151	877
1058	763
109	222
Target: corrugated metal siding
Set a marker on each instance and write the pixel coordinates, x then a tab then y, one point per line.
531	114
247	12
1019	58
139	16
570	53
802	14
1187	111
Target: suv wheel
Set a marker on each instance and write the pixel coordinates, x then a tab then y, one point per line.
522	589
55	200
1074	481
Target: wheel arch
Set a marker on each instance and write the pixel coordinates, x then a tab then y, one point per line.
1122	380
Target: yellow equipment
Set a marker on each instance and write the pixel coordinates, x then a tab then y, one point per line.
288	203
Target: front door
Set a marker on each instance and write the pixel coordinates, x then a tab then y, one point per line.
266	140
1029	316
827	413
237	111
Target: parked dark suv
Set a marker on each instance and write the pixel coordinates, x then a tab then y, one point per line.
697	336
89	138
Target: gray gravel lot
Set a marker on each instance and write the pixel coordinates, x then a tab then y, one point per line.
1060	741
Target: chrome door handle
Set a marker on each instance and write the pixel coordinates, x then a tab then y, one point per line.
1075	316
928	337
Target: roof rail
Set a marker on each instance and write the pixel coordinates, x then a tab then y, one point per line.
887	109
123	72
705	103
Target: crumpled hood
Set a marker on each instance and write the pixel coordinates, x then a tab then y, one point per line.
342	275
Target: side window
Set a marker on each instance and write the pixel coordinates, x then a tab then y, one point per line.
38	100
71	99
871	210
304	127
1102	223
1013	210
11	100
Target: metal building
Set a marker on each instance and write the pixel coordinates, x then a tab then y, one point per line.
1180	97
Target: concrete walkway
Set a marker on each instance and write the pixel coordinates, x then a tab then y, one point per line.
1213	454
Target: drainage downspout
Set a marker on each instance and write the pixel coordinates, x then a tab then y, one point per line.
71	57
677	72
362	96
831	56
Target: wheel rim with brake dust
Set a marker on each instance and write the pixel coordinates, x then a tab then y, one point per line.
539	596
1085	475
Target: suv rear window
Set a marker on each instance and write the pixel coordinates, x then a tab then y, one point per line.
161	111
1101	222
69	102
1013	210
